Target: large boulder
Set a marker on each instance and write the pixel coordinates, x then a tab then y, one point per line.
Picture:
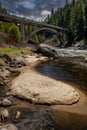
47	50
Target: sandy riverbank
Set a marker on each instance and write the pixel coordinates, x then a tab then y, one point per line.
62	115
38	89
32	85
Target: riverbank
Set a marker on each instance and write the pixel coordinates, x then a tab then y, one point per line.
35	79
25	115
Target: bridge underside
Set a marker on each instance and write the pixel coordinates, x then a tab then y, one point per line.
53	31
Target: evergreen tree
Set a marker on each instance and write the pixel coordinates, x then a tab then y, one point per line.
73	2
1	26
2	10
86	14
52	12
14	32
72	16
66	2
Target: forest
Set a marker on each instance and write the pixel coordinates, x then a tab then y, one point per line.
72	16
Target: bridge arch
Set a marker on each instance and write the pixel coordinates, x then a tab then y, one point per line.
46	29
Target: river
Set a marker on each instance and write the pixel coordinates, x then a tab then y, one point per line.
67	70
57	117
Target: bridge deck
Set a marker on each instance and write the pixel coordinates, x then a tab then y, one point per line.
15	19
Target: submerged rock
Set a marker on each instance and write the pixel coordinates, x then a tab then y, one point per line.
4	114
5	102
33	118
17	114
8	127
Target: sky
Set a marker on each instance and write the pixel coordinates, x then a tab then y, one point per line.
32	9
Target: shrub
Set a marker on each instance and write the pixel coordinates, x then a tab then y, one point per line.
55	38
10	40
15	33
1	26
36	38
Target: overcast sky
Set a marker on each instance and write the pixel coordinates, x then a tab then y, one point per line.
32	9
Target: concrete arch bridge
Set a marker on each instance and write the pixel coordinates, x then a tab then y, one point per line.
62	33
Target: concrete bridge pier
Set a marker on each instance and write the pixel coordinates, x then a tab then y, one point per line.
35	27
28	30
64	36
22	32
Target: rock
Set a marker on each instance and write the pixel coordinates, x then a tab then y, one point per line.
17	114
2	68
2	76
2	83
4	114
8	127
12	70
0	103
5	102
17	63
6	58
39	89
47	50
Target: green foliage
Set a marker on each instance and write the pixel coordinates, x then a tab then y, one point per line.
72	16
39	38
55	38
14	52
1	26
14	32
7	26
31	28
2	10
42	38
36	38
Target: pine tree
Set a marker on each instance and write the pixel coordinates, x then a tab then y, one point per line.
52	12
72	16
73	2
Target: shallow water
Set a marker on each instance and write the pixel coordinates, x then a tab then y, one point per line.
68	70
65	70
